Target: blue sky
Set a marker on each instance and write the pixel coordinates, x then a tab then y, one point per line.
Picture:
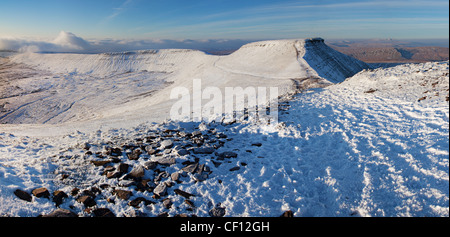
226	19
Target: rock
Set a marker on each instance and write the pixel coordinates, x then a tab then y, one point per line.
123	168
86	146
74	191
175	177
287	214
257	144
61	213
166	144
41	192
161	175
190	168
167	203
200	177
189	203
203	150
227	154
163	214
113	174
196	133
183	193
423	98
100	162
137	172
135	154
182	152
160	190
150	165
217	211
113	151
103	212
136	202
167	161
182	215
58	197
23	195
126	183
371	91
122	194
88	201
235	168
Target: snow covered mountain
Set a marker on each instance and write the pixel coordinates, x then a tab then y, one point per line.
83	134
115	83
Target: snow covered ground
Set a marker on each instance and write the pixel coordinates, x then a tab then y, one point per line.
375	144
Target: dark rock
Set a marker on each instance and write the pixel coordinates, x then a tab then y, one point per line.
216	164
235	168
122	194
123	168
423	98
203	150
183	193
88	201
189	203
167	203
74	191
182	152
58	197
23	195
103	212
135	154
113	151
41	192
163	214
136	202
287	214
257	144
217	211
113	174
150	165
371	91
86	146
88	192
227	154
61	213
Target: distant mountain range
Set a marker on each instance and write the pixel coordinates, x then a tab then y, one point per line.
392	51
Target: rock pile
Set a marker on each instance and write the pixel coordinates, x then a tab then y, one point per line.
143	172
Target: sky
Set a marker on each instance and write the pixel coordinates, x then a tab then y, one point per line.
225	19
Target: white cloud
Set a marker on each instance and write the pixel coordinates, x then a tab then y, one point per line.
67	42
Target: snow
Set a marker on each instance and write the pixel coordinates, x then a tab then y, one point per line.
368	145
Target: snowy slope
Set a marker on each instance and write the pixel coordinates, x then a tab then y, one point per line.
304	58
115	85
339	151
375	144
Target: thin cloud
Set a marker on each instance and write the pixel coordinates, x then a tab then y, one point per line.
117	11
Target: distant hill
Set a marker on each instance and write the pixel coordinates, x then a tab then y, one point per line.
391	51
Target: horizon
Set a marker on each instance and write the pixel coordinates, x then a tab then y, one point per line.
244	20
